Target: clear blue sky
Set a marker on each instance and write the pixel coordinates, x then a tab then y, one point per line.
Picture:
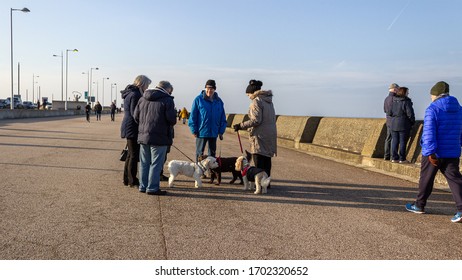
329	58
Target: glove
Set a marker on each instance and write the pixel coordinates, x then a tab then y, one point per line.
433	160
237	127
221	136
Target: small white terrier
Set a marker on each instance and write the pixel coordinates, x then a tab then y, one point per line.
190	169
254	177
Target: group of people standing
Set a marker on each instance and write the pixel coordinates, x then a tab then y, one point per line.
98	110
441	141
400	119
150	115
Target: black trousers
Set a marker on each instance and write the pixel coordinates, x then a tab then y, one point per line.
131	163
262	162
450	169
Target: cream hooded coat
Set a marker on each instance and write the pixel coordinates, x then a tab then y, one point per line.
262	124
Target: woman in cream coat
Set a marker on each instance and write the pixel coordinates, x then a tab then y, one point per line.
261	125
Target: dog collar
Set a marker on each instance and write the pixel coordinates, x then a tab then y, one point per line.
201	167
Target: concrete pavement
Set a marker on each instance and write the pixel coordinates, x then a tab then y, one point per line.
62	197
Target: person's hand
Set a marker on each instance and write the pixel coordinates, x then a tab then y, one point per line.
237	127
195	135
433	160
220	136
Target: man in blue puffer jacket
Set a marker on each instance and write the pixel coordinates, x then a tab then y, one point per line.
441	148
207	120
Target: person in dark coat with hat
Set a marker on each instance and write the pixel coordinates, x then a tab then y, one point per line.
402	120
129	128
261	125
207	119
156	115
392	89
441	148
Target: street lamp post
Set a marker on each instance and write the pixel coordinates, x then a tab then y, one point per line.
62	74
25	10
33	86
115	94
112	85
67	67
90	83
103	91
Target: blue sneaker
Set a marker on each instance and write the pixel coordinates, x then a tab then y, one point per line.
457	217
414	208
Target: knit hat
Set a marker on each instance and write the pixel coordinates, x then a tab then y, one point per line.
393	86
253	86
439	88
211	83
165	85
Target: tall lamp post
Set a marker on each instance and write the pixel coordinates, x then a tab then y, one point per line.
90	85
25	10
67	67
103	91
62	74
33	86
112	85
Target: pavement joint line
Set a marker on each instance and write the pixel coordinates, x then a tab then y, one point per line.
162	230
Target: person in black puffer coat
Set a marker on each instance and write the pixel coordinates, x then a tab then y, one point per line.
156	115
129	128
402	120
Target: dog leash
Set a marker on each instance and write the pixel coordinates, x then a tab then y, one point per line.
240	144
183	154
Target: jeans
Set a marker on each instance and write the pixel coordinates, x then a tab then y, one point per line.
450	169
386	150
399	138
131	163
200	146
152	161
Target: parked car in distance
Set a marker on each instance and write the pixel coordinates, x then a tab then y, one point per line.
17	102
29	105
4	104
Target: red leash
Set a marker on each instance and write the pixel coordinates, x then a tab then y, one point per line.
240	144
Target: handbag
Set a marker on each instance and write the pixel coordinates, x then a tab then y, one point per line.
124	154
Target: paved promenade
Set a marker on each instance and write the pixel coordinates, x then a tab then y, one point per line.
62	197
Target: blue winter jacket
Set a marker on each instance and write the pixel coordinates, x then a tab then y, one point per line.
442	128
129	128
207	118
156	115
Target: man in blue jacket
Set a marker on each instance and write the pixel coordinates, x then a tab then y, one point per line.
441	148
207	120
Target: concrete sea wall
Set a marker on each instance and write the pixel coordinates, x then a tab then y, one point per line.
356	141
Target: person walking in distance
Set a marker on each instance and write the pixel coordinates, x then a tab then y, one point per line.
88	111
392	89
261	125
156	115
129	128
113	110
98	110
184	114
441	148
